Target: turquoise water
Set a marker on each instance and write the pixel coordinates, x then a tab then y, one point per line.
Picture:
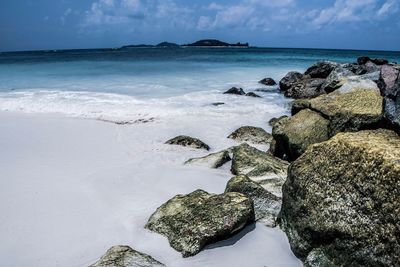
84	82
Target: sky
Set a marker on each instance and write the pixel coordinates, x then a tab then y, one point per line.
71	24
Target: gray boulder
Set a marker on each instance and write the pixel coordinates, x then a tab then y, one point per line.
392	111
124	256
214	160
266	205
321	69
262	167
335	78
190	222
188	141
389	76
251	134
294	135
289	80
341	201
306	88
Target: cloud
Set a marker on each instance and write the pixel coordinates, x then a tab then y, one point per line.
389	7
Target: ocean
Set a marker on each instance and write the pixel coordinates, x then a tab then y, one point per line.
136	83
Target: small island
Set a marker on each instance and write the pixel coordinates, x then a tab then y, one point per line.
206	43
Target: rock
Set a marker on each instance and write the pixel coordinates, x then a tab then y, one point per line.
335	79
350	111
289	80
254	135
366	81
371	67
321	69
190	222
268	81
294	135
341	200
306	88
216	104
235	91
252	94
266	205
124	256
214	160
363	60
188	141
390	78
392	111
354	68
257	165
275	120
379	61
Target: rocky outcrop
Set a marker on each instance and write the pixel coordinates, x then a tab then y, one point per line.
341	201
294	135
268	81
188	141
305	88
270	172
378	61
266	205
124	256
349	111
321	69
214	160
251	134
190	222
235	91
291	78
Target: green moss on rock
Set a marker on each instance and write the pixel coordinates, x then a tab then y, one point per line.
294	135
342	197
190	222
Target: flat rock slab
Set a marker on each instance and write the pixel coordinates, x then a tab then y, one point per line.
188	141
251	134
190	222
266	205
214	160
124	256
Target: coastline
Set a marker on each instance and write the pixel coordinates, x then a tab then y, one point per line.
85	185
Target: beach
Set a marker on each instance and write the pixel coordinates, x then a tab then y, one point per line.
71	188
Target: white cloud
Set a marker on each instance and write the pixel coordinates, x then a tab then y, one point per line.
389	7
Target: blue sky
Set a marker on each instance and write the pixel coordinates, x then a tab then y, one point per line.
58	24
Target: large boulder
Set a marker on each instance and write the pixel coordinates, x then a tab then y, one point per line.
124	256
251	134
266	205
294	135
190	222
214	160
289	80
306	88
321	69
341	201
353	110
268	81
390	80
188	141
260	166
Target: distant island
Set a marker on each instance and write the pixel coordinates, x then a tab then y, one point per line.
200	43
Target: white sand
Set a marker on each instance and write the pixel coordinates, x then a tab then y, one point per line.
71	188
